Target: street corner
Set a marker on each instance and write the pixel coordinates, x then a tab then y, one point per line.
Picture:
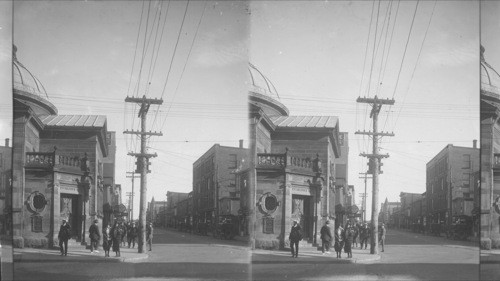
131	255
136	258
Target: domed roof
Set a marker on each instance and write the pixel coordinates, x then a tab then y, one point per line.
261	84
264	94
490	79
24	80
29	90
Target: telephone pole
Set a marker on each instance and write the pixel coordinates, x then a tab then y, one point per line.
375	161
143	161
132	176
364	195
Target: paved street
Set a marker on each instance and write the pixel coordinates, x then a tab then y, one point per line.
408	256
177	255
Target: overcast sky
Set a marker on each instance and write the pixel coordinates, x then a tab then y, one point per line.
490	35
314	53
83	53
5	71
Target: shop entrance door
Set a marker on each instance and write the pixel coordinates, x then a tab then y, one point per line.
68	211
301	211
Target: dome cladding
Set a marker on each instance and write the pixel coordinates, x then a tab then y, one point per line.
490	79
24	80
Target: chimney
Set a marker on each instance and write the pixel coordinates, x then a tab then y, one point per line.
241	143
7	142
474	143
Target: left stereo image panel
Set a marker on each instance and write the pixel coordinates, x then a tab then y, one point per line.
130	129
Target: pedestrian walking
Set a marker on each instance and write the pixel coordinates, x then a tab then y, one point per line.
383	231
349	238
364	235
64	235
107	240
295	236
339	240
149	235
94	237
117	232
356	235
132	235
326	237
126	227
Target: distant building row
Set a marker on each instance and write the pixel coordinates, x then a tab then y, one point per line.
452	190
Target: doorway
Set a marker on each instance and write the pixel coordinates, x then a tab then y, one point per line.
69	212
301	211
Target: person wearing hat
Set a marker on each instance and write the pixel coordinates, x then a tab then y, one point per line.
64	235
94	236
149	235
382	236
295	236
326	237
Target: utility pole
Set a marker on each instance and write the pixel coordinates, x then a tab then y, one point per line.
130	196
133	194
364	195
375	161
143	161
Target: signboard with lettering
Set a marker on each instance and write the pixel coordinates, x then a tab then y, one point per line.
68	189
301	190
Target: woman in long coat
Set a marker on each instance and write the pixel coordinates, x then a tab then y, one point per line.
349	237
117	237
339	240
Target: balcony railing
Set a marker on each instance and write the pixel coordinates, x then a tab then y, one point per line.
271	160
51	159
282	161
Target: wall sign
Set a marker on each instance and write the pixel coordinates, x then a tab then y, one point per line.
36	224
268	225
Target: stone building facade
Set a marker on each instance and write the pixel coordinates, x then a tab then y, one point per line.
58	166
293	171
490	156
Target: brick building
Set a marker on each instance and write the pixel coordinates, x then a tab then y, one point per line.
5	194
63	167
386	214
173	198
293	174
450	183
214	182
490	156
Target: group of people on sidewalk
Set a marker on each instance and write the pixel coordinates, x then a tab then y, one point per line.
344	239
112	236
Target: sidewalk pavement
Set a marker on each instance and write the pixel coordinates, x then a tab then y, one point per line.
77	254
312	255
490	256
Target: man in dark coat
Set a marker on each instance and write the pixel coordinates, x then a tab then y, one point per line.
94	236
295	236
132	235
326	237
364	235
64	235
